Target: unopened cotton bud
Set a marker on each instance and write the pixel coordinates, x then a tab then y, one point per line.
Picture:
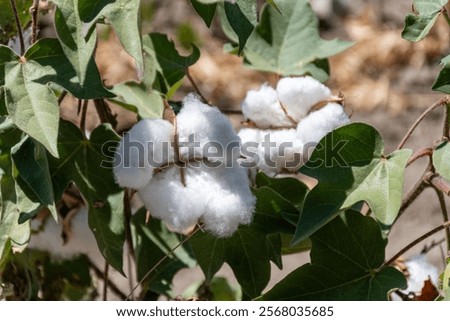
299	94
145	147
319	123
263	108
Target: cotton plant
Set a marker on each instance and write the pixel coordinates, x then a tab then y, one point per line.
186	170
287	121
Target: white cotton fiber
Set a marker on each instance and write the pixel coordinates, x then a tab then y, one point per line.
299	94
220	197
263	108
319	123
145	147
420	269
209	128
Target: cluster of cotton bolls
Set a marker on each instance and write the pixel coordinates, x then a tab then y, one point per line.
288	121
187	171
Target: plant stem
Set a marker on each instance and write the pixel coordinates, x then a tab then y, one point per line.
111	285
441	102
419	154
444	215
105	284
437	182
411	196
162	260
62	96
417	241
19	27
197	90
34	10
127	210
446	125
83	117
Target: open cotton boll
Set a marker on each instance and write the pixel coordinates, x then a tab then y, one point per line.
145	147
231	203
167	199
420	269
263	108
299	94
209	129
319	123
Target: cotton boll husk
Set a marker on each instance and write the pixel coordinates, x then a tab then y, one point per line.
167	199
263	108
420	269
319	123
133	166
231	202
212	130
299	94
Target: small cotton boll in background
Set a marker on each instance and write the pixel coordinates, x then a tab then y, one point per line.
319	123
299	94
263	108
145	147
419	270
206	126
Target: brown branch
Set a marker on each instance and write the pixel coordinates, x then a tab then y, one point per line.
437	104
411	196
197	90
34	10
437	182
111	285
441	197
162	260
19	27
417	241
105	284
62	96
419	154
83	117
446	125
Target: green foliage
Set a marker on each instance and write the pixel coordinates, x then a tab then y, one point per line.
419	23
442	82
85	162
346	256
205	10
290	44
8	27
351	167
441	159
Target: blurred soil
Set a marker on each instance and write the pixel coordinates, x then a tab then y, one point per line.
386	81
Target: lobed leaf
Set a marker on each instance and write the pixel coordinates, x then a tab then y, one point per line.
441	159
350	166
88	163
242	17
206	11
419	23
290	44
442	82
346	264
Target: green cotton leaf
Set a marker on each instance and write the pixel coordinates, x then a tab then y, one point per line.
169	65
419	23
30	101
242	17
249	251
123	17
135	97
441	159
8	27
206	11
350	166
88	163
274	5
346	264
78	47
31	162
290	44
12	233
442	82
152	242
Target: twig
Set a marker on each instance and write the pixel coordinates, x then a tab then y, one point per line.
446	125
161	261
105	284
417	241
441	102
419	154
19	27
197	90
83	117
436	181
62	96
34	10
412	195
440	195
111	285
104	112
